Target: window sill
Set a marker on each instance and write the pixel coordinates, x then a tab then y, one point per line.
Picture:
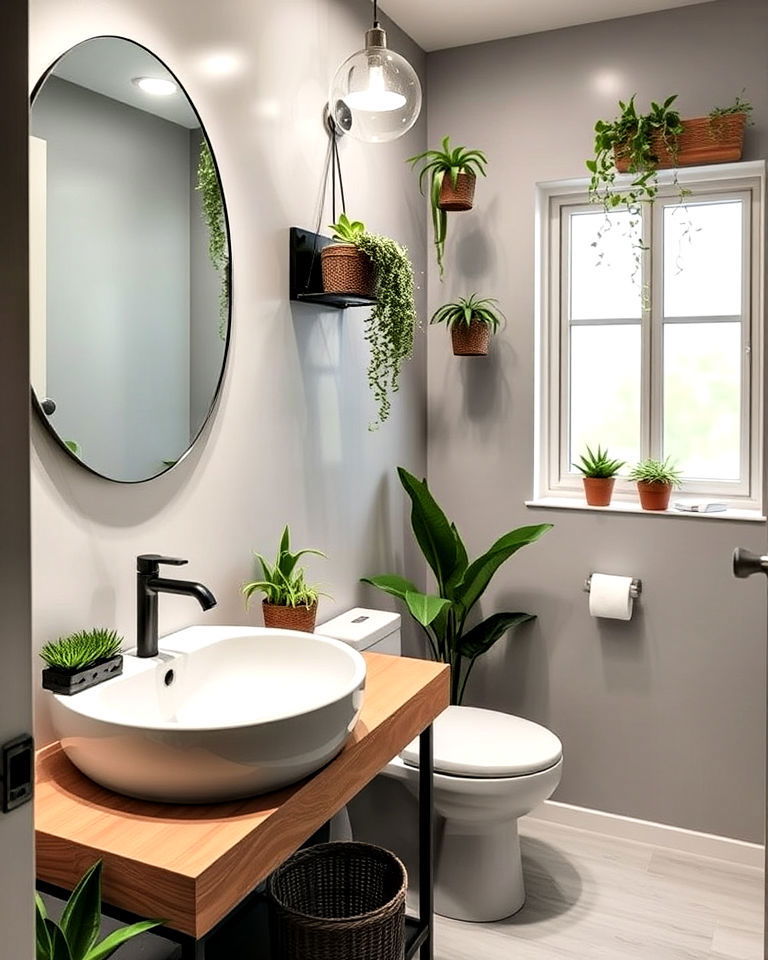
630	506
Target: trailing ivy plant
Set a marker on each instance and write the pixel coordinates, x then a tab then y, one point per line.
213	213
390	326
739	105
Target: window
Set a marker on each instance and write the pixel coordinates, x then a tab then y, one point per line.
649	333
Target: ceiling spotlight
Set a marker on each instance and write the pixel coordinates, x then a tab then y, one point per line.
156	86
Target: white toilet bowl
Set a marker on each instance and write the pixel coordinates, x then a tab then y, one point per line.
478	870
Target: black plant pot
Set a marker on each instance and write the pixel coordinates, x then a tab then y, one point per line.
67	682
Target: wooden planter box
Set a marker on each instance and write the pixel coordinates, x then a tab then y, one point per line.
703	140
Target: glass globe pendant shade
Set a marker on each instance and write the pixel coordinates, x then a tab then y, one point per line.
375	95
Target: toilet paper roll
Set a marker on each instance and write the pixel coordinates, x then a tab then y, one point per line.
609	597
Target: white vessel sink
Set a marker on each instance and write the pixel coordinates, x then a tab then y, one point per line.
221	713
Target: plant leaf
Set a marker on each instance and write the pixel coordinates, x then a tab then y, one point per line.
392	584
81	919
59	947
115	940
431	528
484	635
424	607
43	945
479	573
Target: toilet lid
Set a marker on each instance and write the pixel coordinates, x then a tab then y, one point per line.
471	742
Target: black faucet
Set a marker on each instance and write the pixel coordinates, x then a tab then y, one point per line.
148	584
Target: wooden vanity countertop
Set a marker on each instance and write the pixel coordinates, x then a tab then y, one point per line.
191	864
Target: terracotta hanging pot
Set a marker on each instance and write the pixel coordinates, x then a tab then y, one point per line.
459	197
470	340
289	618
347	270
654	495
598	490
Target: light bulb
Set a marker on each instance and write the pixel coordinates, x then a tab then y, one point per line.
157	86
375	95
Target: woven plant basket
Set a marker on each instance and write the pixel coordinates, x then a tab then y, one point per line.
339	901
289	618
459	197
347	270
472	340
703	140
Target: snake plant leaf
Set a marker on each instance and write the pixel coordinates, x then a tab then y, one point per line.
81	919
43	945
431	528
115	940
462	561
484	635
424	607
392	584
59	947
479	573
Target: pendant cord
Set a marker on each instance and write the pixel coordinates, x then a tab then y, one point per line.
376	13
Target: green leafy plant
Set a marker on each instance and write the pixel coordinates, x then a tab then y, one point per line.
283	583
435	165
75	936
443	615
81	649
656	471
390	326
213	213
739	105
465	310
630	137
598	465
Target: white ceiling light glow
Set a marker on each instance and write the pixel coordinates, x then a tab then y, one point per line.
156	86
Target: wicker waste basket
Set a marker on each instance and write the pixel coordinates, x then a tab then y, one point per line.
339	901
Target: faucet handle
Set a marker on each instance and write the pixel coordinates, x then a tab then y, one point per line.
150	562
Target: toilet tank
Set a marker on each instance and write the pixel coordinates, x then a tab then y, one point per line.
377	631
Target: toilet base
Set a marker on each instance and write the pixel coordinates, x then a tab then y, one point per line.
478	871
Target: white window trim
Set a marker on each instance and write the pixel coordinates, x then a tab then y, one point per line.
547	416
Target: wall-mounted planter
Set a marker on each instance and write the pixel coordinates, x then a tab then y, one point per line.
470	340
306	273
346	269
703	140
459	197
289	618
67	682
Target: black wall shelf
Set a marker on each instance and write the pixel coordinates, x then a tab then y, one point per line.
306	279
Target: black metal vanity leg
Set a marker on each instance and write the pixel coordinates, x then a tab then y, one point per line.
426	842
192	949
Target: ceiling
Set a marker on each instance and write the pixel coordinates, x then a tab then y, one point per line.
107	65
436	24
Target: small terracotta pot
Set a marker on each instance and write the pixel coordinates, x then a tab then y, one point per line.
472	340
459	197
289	618
655	495
347	270
598	490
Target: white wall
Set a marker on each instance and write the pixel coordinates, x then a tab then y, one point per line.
289	441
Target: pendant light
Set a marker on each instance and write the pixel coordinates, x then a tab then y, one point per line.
375	95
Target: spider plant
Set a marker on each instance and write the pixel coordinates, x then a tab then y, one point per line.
465	310
82	649
283	583
435	165
656	471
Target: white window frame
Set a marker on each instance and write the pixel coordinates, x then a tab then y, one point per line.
551	478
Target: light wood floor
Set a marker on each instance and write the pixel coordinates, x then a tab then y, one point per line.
595	898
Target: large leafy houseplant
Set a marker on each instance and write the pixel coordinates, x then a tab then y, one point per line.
452	173
76	935
443	616
390	326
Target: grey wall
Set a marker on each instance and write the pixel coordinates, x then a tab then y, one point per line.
662	718
289	441
118	278
206	346
16	835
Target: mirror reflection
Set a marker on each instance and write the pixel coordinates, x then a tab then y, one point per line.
129	261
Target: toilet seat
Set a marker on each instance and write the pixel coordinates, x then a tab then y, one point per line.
472	742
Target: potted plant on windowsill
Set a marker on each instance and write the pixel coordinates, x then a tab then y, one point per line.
655	481
452	176
81	660
471	322
599	476
389	328
290	603
443	615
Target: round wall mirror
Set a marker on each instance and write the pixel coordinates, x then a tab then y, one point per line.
129	261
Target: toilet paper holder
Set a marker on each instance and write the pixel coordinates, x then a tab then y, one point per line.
635	588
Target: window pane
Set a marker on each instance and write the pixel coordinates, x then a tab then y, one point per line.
605	280
702	398
702	259
605	390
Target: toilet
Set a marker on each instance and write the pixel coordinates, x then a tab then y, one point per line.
490	769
